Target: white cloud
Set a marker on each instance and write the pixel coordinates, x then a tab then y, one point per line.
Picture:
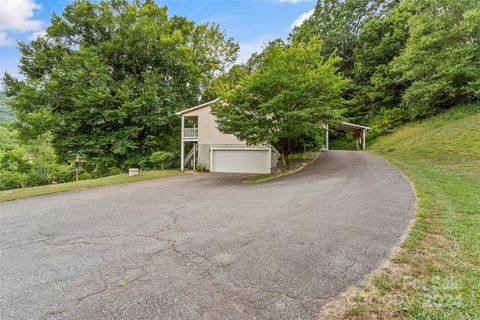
5	40
18	16
293	1
298	22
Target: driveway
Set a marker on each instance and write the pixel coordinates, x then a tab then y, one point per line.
203	246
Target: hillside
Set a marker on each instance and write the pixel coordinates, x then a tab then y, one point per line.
436	273
448	140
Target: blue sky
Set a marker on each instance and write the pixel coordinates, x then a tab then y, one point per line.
249	22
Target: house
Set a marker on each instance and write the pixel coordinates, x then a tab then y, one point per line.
217	151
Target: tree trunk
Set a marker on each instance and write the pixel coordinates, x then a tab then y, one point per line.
284	157
284	149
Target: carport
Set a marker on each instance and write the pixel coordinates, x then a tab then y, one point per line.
360	132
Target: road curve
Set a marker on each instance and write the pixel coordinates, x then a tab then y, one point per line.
203	246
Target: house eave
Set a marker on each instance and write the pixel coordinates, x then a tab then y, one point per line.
200	106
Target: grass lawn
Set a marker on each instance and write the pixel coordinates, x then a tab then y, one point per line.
91	183
298	161
436	273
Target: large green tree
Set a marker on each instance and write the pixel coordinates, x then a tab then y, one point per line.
441	60
338	23
291	93
377	84
108	77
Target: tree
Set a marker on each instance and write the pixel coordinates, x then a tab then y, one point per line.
338	23
160	158
6	114
108	77
31	164
292	93
378	86
441	60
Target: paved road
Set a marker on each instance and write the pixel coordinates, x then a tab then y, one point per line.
202	246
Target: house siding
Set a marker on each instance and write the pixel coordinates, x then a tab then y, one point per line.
210	137
208	132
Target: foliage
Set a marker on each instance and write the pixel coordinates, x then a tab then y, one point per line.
407	59
378	88
77	166
160	158
32	164
108	77
6	114
292	92
441	60
200	167
92	183
338	23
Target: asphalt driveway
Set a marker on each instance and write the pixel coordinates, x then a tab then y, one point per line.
202	246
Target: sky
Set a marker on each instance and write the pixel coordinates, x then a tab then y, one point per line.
249	22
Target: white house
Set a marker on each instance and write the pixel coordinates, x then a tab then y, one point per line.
217	151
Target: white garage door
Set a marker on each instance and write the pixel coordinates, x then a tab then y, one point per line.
241	160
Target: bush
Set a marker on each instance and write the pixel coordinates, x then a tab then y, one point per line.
28	164
13	180
388	119
161	158
200	167
60	174
114	171
85	176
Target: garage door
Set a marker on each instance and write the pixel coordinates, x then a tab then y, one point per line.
241	160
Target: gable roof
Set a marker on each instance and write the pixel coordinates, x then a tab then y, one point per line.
200	106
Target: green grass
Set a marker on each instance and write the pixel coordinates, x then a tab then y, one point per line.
83	184
298	161
436	274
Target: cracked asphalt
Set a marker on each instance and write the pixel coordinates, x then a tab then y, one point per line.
203	246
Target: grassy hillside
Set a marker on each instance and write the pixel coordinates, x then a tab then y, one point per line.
436	274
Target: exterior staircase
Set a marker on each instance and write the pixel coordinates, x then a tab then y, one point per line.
188	161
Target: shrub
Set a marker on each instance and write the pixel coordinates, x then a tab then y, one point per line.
388	119
161	158
114	171
85	176
28	164
200	167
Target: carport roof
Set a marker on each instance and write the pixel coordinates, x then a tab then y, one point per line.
351	126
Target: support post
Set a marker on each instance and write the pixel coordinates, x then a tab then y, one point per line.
182	147
194	152
326	137
364	133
